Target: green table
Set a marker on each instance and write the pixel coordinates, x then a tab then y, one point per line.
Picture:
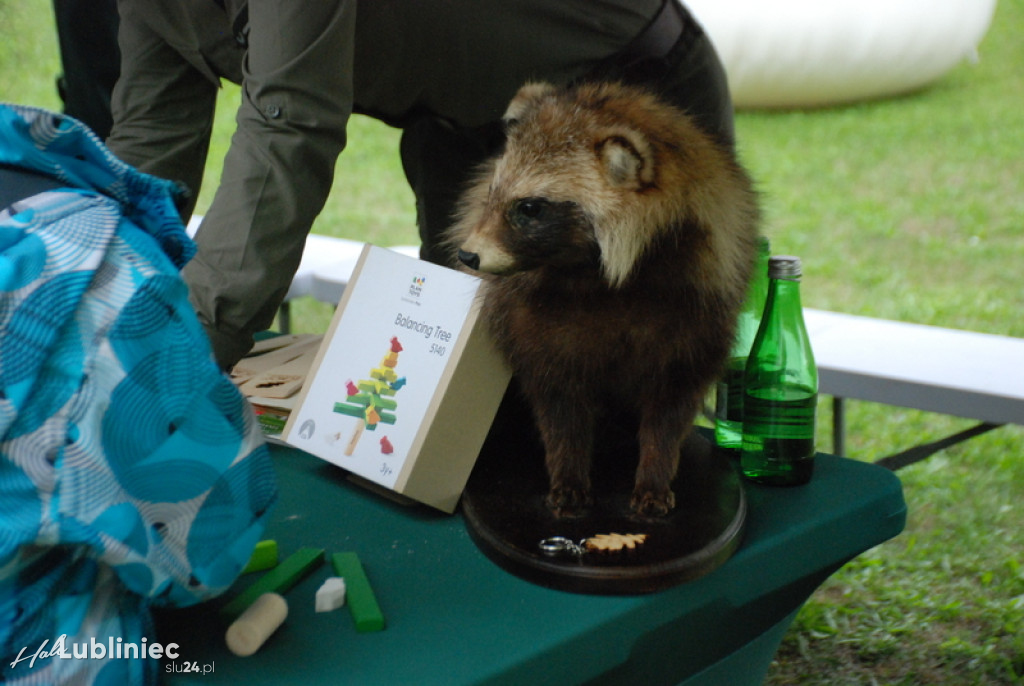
454	617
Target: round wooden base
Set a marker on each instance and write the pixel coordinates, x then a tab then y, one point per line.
507	517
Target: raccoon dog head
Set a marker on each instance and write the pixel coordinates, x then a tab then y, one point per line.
591	174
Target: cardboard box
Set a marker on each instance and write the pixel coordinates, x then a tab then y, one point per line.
407	381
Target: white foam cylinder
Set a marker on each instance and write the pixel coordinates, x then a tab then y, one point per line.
254	626
809	53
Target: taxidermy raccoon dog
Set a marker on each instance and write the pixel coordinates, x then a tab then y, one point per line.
616	240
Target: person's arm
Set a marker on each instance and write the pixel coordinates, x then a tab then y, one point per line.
296	101
162	105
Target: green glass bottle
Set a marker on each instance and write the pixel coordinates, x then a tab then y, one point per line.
780	386
729	391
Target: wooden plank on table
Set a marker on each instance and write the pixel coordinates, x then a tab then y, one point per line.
249	367
282	381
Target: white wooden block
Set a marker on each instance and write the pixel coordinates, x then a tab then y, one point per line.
331	594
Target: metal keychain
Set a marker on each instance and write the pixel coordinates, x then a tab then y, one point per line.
556	545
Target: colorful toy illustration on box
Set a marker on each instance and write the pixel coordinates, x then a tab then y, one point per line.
372	401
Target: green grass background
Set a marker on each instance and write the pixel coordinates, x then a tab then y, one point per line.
909	208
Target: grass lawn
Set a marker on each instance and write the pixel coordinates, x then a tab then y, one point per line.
910	208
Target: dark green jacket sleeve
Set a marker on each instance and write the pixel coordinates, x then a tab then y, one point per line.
295	104
279	169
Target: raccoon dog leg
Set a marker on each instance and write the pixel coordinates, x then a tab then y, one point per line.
567	431
663	426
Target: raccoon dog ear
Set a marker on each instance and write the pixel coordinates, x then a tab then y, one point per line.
527	97
627	159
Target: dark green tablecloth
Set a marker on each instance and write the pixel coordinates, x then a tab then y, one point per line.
454	617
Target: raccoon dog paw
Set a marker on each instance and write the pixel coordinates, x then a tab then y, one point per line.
568	503
653	503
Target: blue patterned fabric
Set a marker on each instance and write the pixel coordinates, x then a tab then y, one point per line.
132	472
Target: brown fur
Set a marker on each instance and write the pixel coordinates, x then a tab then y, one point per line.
617	240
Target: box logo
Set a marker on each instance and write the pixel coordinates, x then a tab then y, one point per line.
416	287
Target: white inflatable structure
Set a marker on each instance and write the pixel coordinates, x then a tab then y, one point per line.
813	53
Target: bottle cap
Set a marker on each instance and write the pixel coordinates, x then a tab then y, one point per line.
784	267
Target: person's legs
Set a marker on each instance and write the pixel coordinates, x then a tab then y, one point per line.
90	59
439	159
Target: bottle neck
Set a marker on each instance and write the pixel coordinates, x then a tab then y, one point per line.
784	298
785	332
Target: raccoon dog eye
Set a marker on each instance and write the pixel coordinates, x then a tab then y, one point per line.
530	208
